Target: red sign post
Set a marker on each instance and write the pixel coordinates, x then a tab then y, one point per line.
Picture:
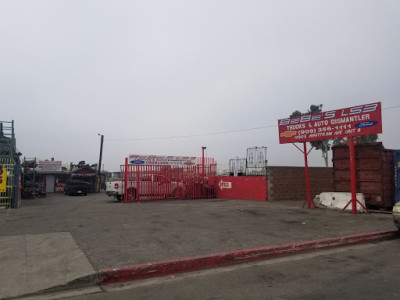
310	204
347	122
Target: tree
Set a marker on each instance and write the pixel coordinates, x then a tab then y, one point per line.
323	145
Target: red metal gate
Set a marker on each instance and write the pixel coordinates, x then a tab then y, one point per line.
155	182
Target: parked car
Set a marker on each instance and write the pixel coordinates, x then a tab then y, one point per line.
76	187
396	215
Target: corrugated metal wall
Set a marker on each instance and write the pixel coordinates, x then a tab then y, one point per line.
374	173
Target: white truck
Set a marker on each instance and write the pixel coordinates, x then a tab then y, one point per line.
153	186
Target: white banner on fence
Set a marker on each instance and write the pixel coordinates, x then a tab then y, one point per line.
156	160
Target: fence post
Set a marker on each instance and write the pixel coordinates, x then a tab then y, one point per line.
126	181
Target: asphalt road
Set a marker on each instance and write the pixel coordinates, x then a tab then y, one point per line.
369	271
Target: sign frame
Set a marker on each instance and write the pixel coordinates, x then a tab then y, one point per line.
346	122
351	121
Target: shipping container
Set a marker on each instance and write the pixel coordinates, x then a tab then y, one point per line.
375	173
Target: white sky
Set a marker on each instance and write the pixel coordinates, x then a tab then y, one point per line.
134	70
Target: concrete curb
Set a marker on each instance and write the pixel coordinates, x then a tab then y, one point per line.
148	270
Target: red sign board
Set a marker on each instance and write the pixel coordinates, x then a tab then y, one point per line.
351	121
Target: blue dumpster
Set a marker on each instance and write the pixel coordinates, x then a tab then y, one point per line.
397	175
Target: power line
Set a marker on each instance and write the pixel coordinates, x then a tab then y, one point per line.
194	135
391	107
207	134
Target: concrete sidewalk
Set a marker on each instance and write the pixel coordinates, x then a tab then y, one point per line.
105	234
39	262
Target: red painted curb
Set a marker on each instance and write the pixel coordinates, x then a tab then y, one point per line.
148	270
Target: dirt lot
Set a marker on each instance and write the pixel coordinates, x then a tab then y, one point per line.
114	234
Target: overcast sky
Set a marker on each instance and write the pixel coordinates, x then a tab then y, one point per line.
146	73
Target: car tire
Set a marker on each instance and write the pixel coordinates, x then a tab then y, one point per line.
132	195
178	193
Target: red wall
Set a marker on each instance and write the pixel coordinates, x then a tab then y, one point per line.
241	188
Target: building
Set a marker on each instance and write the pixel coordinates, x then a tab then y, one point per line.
51	176
87	173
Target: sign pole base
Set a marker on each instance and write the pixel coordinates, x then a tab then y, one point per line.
310	204
354	199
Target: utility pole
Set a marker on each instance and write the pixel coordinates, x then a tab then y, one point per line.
101	156
101	152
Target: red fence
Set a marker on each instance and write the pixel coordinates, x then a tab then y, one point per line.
242	187
155	182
